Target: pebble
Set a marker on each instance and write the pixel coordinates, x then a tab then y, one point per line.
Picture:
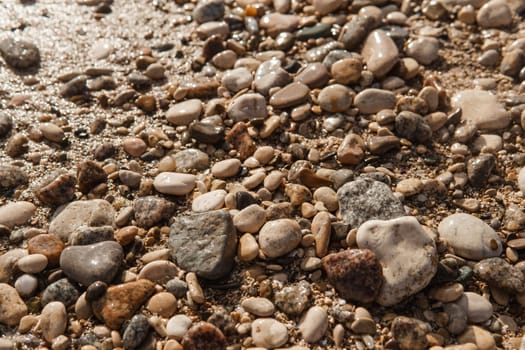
355	31
177	326
494	14
403	247
121	301
224	59
75	87
89	263
190	159
347	70
365	199
276	23
447	293
237	79
498	273
163	304
409	187
328	197
355	273
135	332
151	210
487	143
469	237
62	290
213	256
325	7
19	53
12	307
208	10
258	306
53	320
226	168
380	53
177	184
479	169
363	322
16	213
56	189
424	50
250	219
247	106
95	212
6	124
89	175
248	247
269	333
212	200
314	324
33	263
370	101
335	98
321	229
184	113
293	299
134	146
26	285
478	308
49	245
204	335
413	127
291	95
314	75
410	333
478	336
482	108
279	237
159	271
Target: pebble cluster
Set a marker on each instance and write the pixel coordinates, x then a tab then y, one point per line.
262	174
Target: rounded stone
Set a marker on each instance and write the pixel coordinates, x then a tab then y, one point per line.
178	184
46	244
314	324
163	304
226	168
184	113
16	213
335	98
53	320
250	219
177	326
258	306
279	237
269	333
33	263
212	200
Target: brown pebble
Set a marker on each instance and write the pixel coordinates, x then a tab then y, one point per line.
47	244
126	235
204	336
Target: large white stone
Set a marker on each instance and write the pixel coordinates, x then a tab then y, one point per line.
482	108
470	237
177	184
16	213
407	253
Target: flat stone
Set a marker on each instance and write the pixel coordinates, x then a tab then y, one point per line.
279	237
95	212
380	53
159	271
258	306
314	75
498	273
482	108
53	320
16	213
121	302
494	14
237	79
152	210
409	187
407	253
12	307
204	243
184	113
314	324
470	237
370	101
89	175
335	98
89	263
248	106
19	53
177	184
209	201
291	95
366	199
269	333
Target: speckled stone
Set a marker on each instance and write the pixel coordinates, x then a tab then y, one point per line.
151	210
499	273
12	307
19	53
204	335
279	237
121	302
356	274
410	333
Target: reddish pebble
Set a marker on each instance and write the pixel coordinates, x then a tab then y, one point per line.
46	244
204	336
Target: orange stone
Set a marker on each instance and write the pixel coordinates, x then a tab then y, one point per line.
47	244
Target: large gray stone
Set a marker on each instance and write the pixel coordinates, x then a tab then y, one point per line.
366	199
93	213
204	243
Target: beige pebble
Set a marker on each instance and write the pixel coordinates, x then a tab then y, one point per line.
134	146
226	168
328	197
264	154
177	184
447	293
194	288
314	324
248	247
258	306
250	219
53	320
273	180
33	263
279	237
163	304
269	333
52	132
16	213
